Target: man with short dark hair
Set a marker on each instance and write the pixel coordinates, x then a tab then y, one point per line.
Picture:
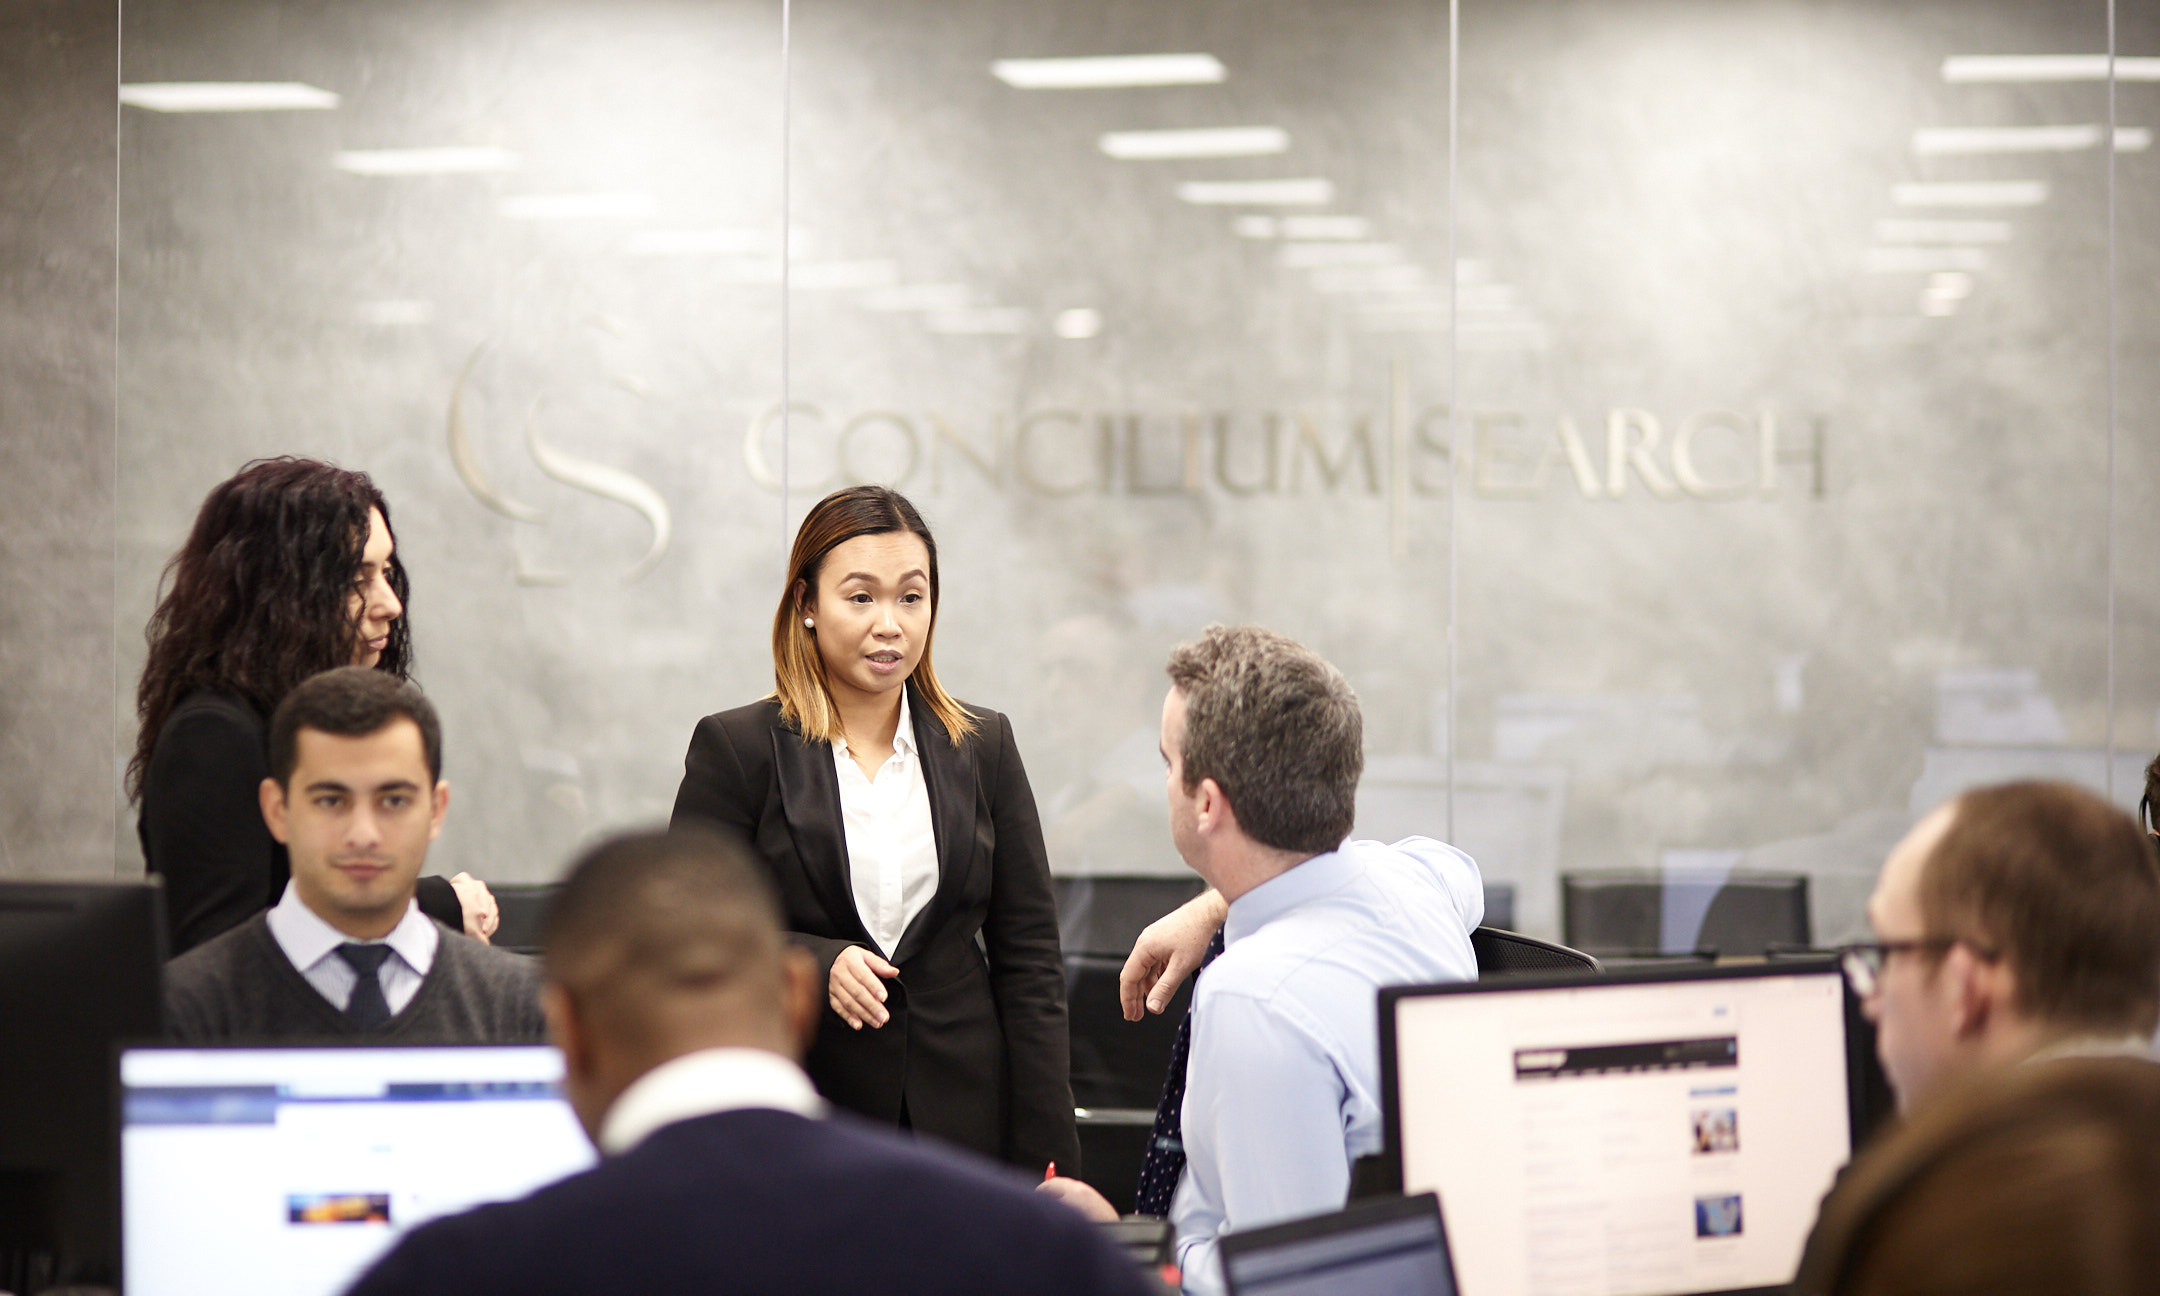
1264	744
682	1012
2012	922
355	793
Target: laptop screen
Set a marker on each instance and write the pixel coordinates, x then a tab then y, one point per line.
1669	1132
1385	1248
290	1170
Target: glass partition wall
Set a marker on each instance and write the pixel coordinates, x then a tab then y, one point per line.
1726	466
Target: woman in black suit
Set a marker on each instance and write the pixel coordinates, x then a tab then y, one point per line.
904	843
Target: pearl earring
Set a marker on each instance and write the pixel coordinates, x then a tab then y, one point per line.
809	624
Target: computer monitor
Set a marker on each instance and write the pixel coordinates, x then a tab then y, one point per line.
291	1170
79	968
1669	1130
1395	1247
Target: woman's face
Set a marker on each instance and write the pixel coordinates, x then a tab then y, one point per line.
373	604
873	613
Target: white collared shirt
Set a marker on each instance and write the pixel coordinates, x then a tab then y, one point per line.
310	945
702	1083
891	846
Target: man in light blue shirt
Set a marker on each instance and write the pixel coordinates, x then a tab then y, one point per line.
1264	745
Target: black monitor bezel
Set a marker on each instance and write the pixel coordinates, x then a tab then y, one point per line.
1357	1215
1785	965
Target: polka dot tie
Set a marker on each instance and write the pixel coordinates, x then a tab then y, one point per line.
1164	1163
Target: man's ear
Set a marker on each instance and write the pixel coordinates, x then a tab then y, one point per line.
1212	813
271	794
565	1029
441	808
802	995
1977	990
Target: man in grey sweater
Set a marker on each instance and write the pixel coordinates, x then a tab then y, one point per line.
356	794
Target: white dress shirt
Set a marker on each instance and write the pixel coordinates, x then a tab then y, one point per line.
310	945
891	846
1283	1082
702	1083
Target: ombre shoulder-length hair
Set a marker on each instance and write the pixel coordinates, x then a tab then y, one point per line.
798	671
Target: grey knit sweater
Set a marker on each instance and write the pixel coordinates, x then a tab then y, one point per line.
240	988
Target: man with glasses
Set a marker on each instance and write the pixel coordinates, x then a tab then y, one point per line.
2013	923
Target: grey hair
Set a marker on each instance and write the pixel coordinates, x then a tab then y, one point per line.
1279	731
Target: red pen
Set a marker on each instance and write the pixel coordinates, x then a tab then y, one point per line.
1050	1173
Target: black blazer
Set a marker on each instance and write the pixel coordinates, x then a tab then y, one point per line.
202	827
976	1050
759	1202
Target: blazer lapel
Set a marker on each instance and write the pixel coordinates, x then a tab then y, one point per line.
810	797
949	779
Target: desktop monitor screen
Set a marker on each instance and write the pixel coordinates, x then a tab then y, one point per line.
1669	1131
78	972
1392	1247
290	1170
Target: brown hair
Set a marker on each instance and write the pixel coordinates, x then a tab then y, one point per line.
2149	804
798	671
2041	1178
352	702
258	598
2066	887
1279	731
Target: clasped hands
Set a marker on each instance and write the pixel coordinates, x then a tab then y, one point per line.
856	989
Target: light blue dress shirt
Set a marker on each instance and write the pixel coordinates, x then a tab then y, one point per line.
1283	1088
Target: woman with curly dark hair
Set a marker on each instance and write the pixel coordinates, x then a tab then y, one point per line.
290	569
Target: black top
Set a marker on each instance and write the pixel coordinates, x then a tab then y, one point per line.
977	1047
202	829
764	1202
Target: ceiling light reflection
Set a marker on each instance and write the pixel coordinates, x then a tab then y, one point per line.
225	96
1976	193
2026	139
2046	67
1258	193
1105	73
1077	324
1228	141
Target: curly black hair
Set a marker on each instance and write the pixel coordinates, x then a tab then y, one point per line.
260	596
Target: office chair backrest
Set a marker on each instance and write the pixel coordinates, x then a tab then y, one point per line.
1636	915
1504	953
521	906
1105	915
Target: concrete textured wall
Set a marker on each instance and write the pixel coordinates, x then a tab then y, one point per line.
58	78
1777	516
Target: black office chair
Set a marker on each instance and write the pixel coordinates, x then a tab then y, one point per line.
1117	1072
1105	915
521	905
1505	953
1622	914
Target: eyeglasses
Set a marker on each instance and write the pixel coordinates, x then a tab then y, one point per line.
1863	962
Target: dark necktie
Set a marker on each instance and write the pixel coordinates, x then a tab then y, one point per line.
367	1008
1164	1163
